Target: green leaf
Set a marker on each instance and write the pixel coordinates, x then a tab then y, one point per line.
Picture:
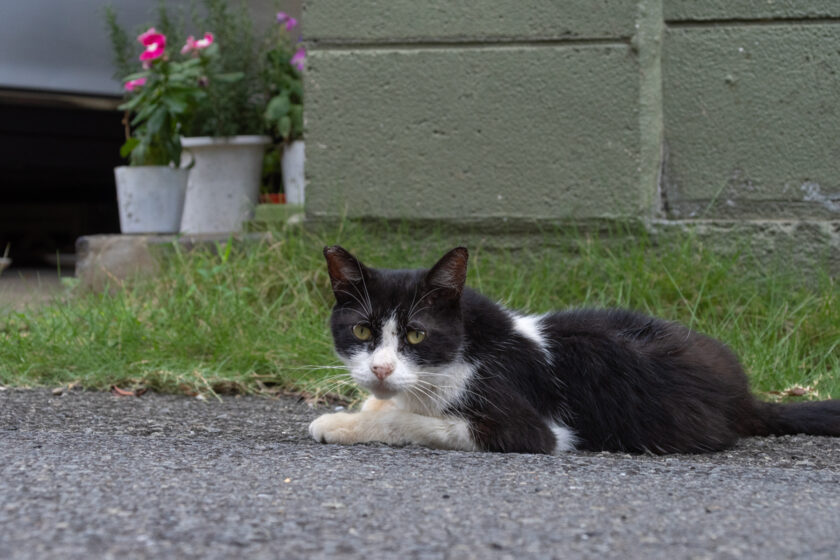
132	103
135	76
277	108
143	114
296	89
284	127
229	77
210	51
175	104
189	63
296	114
138	154
157	121
129	146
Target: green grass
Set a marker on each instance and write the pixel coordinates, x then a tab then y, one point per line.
254	318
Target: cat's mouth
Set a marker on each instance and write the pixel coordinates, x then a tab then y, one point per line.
381	389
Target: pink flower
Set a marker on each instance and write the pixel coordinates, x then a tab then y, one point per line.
206	42
283	17
193	45
189	45
154	42
132	84
298	59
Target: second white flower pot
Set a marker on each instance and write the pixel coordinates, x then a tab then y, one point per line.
224	182
293	175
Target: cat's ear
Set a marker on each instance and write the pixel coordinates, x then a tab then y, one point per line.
344	268
450	272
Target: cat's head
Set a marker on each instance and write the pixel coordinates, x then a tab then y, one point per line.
397	330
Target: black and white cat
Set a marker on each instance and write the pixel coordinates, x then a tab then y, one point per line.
450	369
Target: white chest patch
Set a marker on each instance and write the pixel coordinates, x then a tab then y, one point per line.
437	388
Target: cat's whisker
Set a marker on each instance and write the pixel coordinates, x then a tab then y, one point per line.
314	367
413	303
364	285
339	376
334	386
414	389
424	296
463	391
334	383
363	305
418	311
341	370
356	311
427	398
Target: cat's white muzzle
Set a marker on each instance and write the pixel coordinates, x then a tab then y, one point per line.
400	379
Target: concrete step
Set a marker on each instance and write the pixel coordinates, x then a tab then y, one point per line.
112	259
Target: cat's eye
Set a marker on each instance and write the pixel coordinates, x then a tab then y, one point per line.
415	337
362	332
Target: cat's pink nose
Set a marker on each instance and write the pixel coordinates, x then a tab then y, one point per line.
381	371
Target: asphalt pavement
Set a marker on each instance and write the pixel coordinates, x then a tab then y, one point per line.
93	475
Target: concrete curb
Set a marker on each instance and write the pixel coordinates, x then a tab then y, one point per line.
111	260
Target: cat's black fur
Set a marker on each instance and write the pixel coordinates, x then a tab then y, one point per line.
621	381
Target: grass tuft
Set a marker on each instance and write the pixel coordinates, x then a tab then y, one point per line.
253	318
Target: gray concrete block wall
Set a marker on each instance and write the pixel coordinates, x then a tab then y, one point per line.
749	10
586	109
330	23
752	110
474	110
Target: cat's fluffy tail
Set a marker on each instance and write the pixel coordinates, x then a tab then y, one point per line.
818	418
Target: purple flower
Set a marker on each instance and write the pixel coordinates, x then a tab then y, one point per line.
298	59
283	17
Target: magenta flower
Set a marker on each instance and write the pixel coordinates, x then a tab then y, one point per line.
298	59
154	42
193	45
283	17
132	84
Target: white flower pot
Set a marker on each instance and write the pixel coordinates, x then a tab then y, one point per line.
150	198
224	183
293	178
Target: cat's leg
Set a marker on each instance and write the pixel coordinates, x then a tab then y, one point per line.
372	404
394	427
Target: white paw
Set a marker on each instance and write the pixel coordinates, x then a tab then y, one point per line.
339	427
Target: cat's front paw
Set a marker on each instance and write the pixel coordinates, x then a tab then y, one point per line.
339	427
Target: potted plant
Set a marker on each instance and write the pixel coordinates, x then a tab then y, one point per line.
281	74
151	190
225	135
222	133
